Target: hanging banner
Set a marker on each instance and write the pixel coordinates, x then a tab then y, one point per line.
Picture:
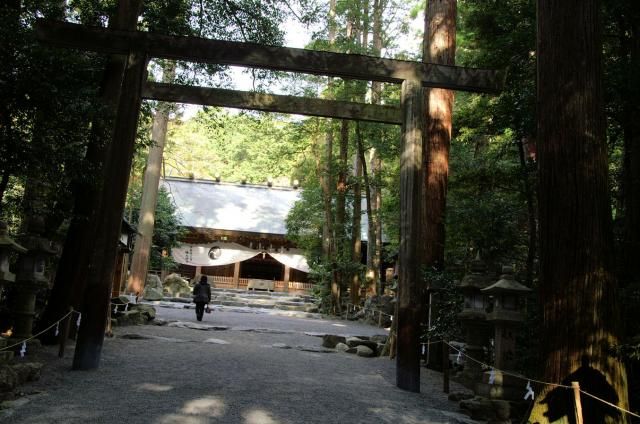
292	259
225	253
212	254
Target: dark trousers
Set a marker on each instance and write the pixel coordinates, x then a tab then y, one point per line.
200	310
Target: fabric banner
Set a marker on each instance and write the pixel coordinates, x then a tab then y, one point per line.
293	259
225	253
212	254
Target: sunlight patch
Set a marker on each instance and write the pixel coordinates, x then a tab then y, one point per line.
339	325
258	416
152	387
208	406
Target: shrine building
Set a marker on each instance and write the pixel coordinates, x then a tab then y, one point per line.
235	235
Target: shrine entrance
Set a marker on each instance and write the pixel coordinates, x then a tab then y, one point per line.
139	47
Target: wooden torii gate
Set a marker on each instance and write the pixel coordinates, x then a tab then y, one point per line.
139	47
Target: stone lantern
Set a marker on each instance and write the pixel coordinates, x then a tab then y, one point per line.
7	246
506	312
472	318
30	277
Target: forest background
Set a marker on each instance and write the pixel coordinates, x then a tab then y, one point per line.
491	201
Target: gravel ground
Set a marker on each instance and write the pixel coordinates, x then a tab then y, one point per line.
175	376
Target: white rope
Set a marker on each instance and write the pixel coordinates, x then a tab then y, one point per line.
543	382
42	332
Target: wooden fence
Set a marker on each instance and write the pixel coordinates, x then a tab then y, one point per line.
228	283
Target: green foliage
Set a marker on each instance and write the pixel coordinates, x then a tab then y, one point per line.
254	146
444	323
167	230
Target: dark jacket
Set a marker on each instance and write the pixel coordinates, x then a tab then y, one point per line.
202	293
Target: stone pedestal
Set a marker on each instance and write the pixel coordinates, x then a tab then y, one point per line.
503	386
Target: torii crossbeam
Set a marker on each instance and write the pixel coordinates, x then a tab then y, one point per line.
139	46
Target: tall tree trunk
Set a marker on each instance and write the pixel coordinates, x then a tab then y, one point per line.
341	192
532	248
577	286
439	47
73	267
367	196
631	164
146	218
357	219
374	239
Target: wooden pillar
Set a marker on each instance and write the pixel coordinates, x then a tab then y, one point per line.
96	302
409	279
117	279
236	274
198	271
287	276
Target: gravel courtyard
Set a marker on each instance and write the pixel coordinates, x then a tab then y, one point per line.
254	372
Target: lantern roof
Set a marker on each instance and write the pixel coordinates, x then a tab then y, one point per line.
7	242
477	278
506	284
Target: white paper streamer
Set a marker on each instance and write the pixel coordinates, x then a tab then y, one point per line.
57	329
530	393
492	376
78	321
424	348
23	349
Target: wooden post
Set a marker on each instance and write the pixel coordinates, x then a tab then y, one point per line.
119	273
287	276
236	274
409	286
445	367
116	178
578	403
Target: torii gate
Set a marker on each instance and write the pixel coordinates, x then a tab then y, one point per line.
140	46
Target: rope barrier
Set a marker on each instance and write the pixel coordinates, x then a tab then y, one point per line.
40	333
540	381
367	309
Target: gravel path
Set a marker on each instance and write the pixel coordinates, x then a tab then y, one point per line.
177	376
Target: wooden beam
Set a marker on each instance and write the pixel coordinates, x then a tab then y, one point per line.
410	293
271	103
193	49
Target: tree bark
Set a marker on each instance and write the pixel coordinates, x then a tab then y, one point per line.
356	237
529	194
340	248
439	47
146	218
577	286
631	162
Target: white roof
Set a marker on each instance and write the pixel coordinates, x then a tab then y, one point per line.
234	207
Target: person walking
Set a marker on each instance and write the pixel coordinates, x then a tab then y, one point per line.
201	296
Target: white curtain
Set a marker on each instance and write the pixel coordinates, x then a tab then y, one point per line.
293	259
198	254
230	253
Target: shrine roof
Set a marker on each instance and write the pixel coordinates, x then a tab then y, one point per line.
233	207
